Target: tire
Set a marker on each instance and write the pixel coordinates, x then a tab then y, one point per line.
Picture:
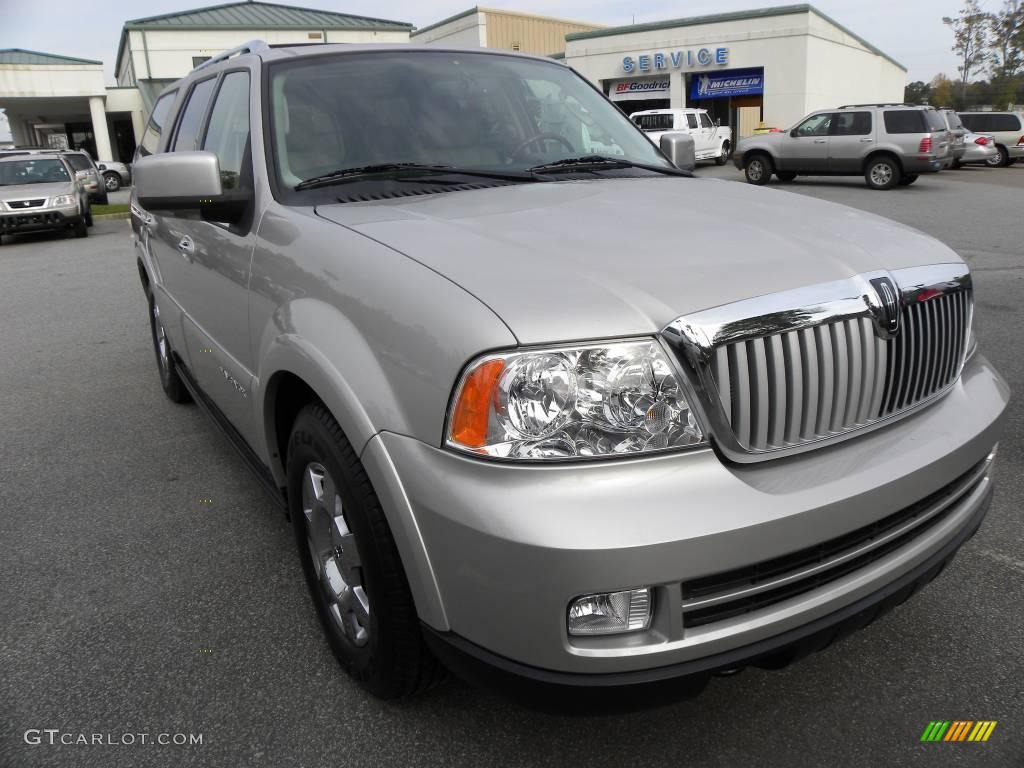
1001	159
758	169
882	172
956	164
112	181
723	158
1012	160
351	562
104	200
88	215
170	380
907	179
80	228
785	175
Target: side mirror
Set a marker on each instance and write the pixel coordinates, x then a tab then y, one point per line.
180	181
794	133
718	122
679	148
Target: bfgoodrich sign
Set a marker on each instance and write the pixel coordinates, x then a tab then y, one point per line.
652	62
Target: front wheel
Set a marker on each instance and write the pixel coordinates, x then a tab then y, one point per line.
80	228
882	173
88	215
1000	159
907	179
112	181
758	170
170	379
723	157
351	562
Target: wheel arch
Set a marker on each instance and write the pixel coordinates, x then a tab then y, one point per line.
875	154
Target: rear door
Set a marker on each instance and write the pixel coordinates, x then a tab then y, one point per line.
851	136
805	150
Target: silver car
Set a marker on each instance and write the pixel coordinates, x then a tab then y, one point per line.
115	175
39	193
979	148
518	429
888	144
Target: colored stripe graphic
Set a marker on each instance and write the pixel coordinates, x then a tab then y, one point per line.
958	730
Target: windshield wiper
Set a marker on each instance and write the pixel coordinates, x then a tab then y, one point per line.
345	175
601	162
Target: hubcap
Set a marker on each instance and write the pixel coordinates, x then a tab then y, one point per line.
162	350
755	169
881	174
332	546
111	183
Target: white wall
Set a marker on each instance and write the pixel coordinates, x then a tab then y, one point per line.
42	81
468	31
808	62
171	51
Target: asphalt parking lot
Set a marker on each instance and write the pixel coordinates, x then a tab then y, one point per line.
129	604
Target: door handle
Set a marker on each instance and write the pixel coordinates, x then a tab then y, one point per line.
186	247
866	141
820	141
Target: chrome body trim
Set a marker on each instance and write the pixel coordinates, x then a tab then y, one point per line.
698	338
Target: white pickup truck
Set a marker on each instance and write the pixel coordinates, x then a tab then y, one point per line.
711	141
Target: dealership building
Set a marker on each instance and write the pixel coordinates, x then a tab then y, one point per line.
772	65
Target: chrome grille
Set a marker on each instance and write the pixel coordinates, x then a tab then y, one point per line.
822	362
20	204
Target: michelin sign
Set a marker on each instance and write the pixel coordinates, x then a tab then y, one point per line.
654	62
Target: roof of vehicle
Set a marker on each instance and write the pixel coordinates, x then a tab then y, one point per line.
670	111
11	157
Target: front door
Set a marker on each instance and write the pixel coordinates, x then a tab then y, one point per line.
805	150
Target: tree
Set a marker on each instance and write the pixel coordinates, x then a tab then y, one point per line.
1006	30
941	91
970	40
917	92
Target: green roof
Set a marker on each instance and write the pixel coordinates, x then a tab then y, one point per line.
255	15
760	13
21	56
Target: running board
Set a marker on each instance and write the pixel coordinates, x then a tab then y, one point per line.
234	437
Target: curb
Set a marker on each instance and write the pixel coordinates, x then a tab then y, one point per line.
105	216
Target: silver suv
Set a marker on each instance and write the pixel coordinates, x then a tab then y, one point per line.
38	193
889	144
516	434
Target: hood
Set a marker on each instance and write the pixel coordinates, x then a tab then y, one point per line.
578	260
36	191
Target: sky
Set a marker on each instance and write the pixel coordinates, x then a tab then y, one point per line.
911	31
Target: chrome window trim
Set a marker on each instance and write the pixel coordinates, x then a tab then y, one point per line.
695	338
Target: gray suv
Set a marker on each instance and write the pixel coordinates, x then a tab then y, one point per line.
889	144
39	193
520	438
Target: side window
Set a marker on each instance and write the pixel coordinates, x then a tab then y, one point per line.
851	124
904	121
191	122
815	125
705	121
151	138
228	131
1005	122
691	119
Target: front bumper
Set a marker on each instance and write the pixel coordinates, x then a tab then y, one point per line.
38	220
504	548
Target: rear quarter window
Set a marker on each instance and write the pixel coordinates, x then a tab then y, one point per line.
905	121
1006	122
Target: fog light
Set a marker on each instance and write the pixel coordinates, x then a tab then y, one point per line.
609	613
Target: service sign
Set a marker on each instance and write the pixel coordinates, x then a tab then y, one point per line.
661	61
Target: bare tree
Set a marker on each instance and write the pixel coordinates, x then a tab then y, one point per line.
970	40
1007	38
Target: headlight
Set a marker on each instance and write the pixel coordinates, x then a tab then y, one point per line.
62	200
612	399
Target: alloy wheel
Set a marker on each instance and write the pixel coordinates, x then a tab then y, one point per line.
332	547
881	174
755	170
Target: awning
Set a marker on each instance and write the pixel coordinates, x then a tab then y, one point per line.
644	88
736	82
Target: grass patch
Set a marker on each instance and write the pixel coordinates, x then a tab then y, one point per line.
113	208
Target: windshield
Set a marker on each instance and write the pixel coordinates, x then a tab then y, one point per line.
35	171
460	109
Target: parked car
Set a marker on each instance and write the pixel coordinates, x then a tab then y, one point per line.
1005	127
957	132
517	428
890	144
91	177
115	175
39	192
712	141
979	149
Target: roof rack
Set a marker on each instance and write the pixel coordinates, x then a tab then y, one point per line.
253	46
883	104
